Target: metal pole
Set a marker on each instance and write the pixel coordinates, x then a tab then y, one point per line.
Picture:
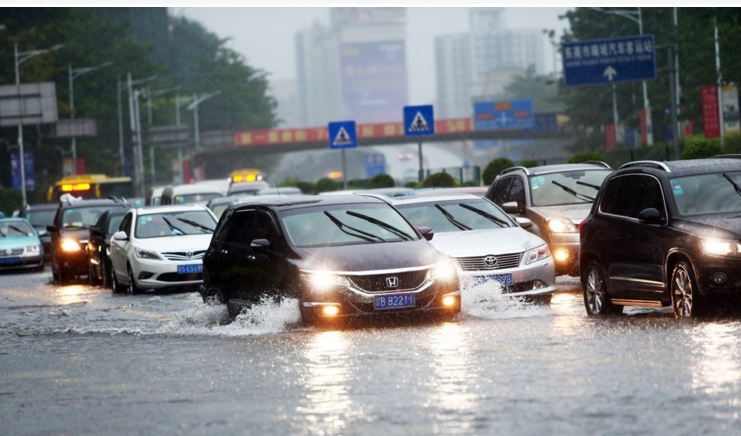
646	104
149	106
195	121
180	146
677	85
615	119
720	84
421	164
153	176
20	130
177	109
72	116
344	169
672	90
139	144
121	156
132	119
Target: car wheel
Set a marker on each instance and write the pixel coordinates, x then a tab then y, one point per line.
106	273
54	271
115	286
596	298
684	291
132	288
92	275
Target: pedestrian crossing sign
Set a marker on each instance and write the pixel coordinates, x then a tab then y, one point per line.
342	135
419	120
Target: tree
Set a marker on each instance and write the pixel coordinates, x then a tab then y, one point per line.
381	181
495	167
529	163
702	150
586	156
542	90
439	180
325	185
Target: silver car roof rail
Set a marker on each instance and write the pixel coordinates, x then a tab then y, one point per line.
597	162
647	163
513	169
726	156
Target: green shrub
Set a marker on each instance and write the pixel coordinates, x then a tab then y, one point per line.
495	167
412	185
439	180
470	183
529	163
585	156
305	187
325	185
701	150
381	181
357	184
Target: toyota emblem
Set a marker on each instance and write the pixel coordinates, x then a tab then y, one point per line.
490	261
189	253
392	282
8	251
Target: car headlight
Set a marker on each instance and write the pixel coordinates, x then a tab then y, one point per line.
444	271
324	280
718	247
144	254
561	225
538	253
33	249
70	245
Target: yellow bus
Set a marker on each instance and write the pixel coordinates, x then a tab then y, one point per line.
246	175
91	186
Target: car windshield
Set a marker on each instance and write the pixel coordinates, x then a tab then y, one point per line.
84	217
114	224
707	194
159	225
15	228
41	218
192	198
455	216
244	193
219	209
346	224
583	184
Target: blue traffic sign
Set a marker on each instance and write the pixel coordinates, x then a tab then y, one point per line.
419	120
342	135
514	114
604	61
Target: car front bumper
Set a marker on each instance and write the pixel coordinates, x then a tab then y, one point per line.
534	279
719	276
161	274
24	260
565	252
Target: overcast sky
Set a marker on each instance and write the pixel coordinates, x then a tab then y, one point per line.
265	36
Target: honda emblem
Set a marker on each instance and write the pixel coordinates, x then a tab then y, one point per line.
392	282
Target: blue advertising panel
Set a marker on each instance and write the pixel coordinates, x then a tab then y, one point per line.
373	80
514	114
419	120
602	61
375	164
15	169
342	135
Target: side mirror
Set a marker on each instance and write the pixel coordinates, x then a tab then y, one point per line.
426	232
525	223
43	232
260	245
650	216
511	207
51	229
120	236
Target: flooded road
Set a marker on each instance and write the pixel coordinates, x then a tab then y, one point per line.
79	360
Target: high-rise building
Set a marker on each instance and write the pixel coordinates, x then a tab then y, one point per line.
453	67
354	69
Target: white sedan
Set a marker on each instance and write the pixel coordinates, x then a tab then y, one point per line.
161	247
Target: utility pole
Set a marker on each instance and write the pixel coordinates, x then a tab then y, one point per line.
74	73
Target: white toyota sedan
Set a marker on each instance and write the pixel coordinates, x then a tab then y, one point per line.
486	243
161	247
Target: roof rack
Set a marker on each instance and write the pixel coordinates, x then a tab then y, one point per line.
726	156
647	163
598	162
513	169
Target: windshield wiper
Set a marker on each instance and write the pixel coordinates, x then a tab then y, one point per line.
595	187
380	223
173	228
361	234
452	220
485	214
18	230
196	225
572	192
735	185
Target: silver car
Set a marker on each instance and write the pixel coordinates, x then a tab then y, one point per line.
486	243
556	198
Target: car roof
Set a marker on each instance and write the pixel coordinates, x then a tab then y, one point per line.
475	190
92	203
42	206
299	201
411	199
689	167
196	188
170	208
15	219
558	168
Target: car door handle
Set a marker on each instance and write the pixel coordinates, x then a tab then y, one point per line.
250	258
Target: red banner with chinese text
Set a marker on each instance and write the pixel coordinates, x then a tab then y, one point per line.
710	115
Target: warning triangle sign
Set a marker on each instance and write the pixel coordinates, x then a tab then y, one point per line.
342	138
419	124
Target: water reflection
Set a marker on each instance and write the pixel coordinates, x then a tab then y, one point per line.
567	323
717	368
70	294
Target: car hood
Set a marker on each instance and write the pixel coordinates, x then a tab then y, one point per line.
484	242
18	241
175	243
575	212
370	257
719	226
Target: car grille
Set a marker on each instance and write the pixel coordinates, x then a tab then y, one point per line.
175	277
377	282
478	264
15	252
182	255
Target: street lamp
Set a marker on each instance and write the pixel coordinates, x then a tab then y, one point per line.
120	87
21	57
74	73
198	99
149	94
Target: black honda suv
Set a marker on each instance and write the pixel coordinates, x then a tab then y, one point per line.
663	233
340	256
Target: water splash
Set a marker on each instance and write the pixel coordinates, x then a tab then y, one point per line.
486	301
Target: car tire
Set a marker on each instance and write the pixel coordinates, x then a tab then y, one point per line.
596	297
683	289
115	285
92	276
40	268
132	288
106	272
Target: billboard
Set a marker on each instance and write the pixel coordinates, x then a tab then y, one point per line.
373	80
15	169
731	119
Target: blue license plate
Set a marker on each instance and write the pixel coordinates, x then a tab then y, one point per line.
189	269
396	301
9	260
503	279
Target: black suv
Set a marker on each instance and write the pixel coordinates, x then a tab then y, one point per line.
663	233
99	246
70	234
556	198
340	256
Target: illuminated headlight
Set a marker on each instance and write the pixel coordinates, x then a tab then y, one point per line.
144	254
34	249
718	247
538	253
561	225
324	280
70	245
444	272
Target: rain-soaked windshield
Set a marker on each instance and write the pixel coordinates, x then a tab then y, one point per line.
568	187
455	216
158	225
707	194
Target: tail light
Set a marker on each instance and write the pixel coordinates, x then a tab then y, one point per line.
581	226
